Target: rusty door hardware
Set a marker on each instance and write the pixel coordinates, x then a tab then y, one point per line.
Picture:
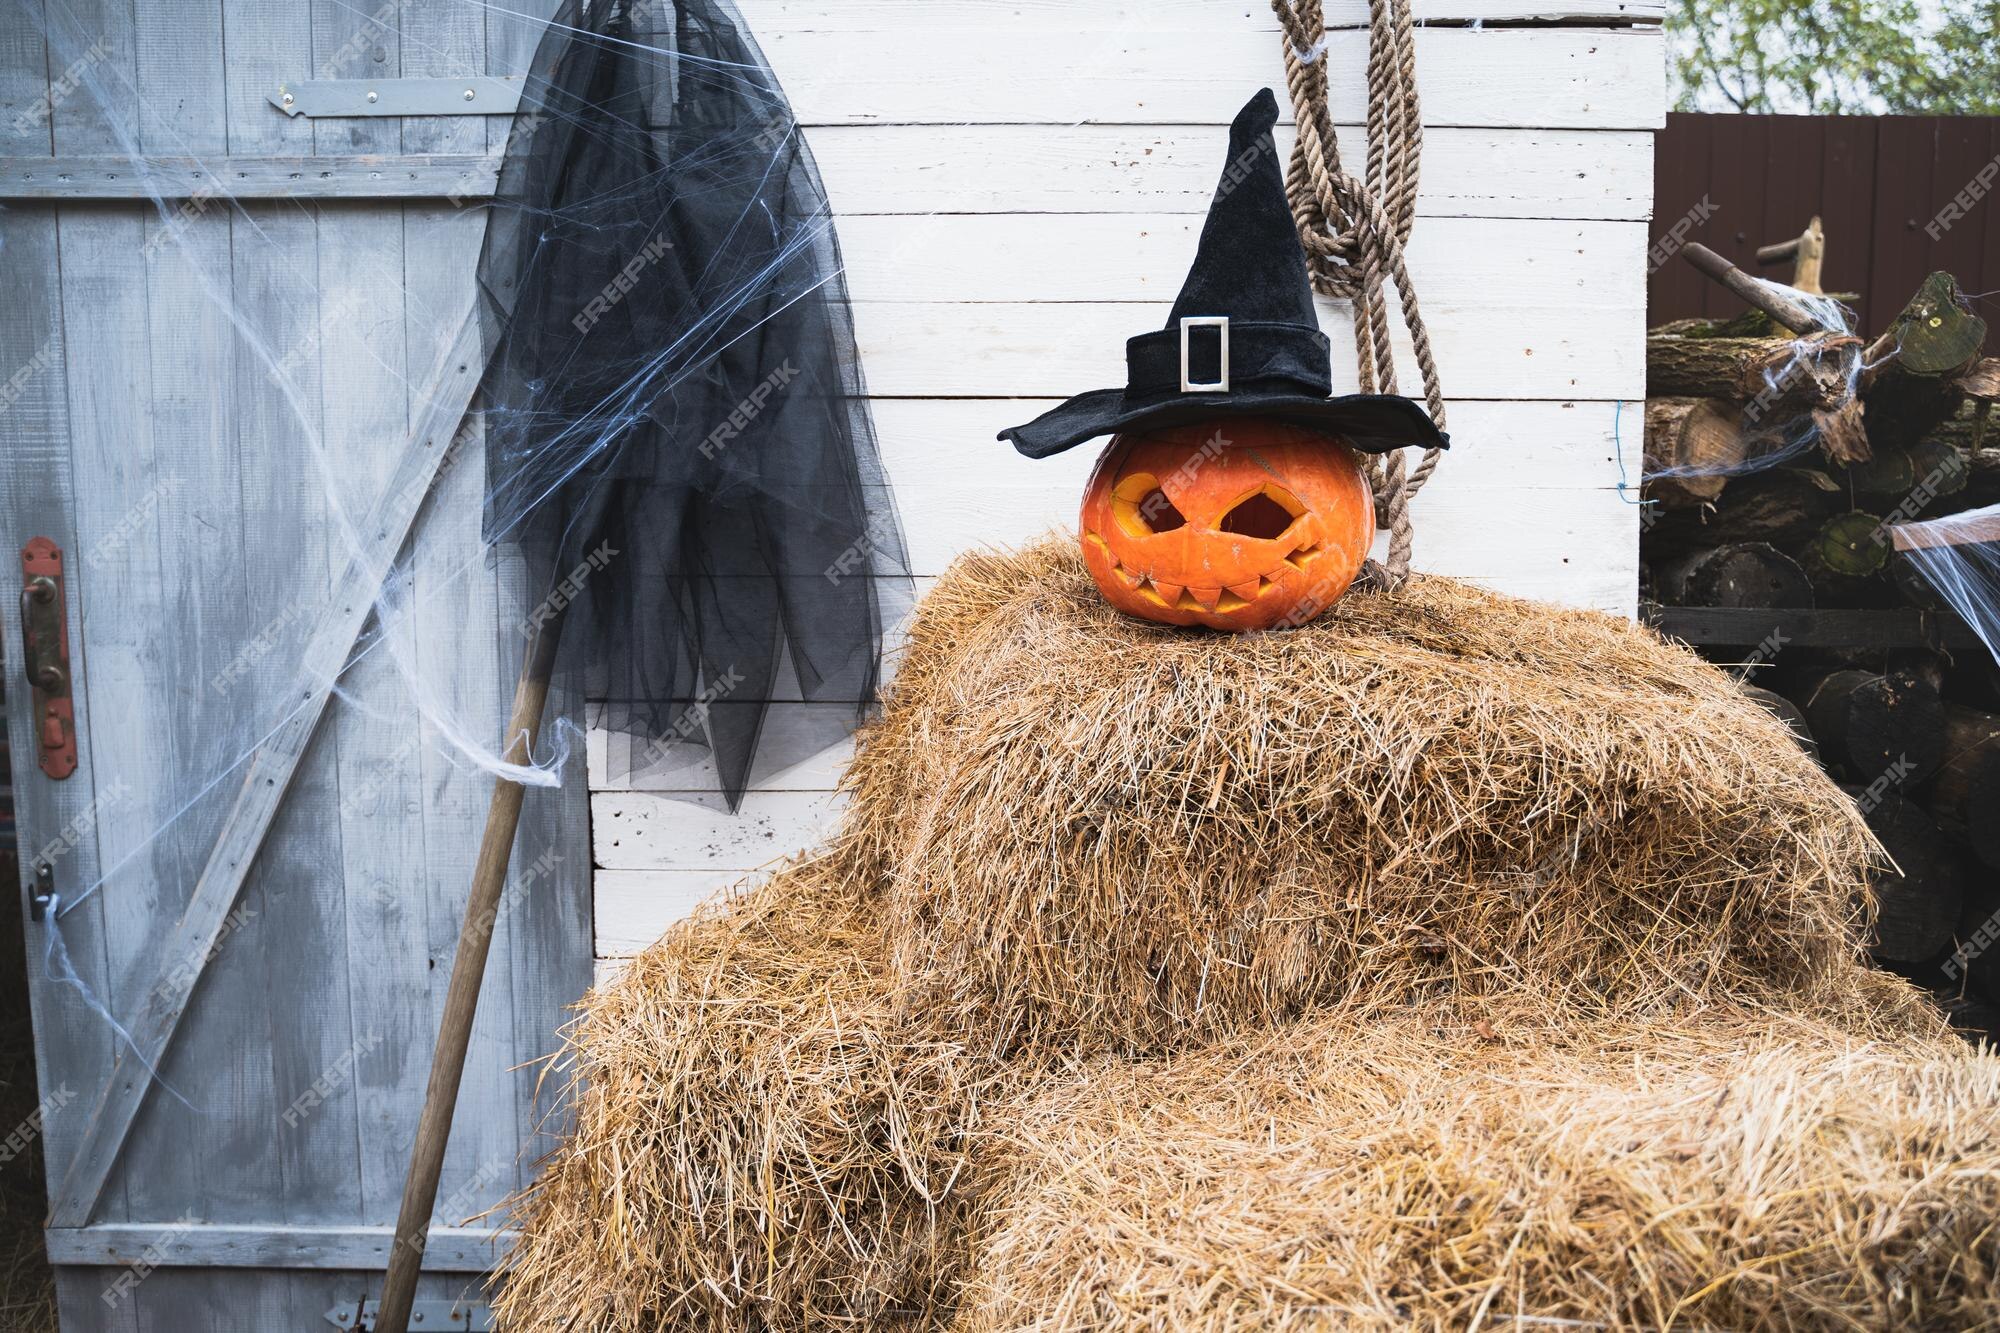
45	654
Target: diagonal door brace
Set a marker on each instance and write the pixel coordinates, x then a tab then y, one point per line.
446	400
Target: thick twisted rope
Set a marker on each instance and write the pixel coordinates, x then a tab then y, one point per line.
1354	231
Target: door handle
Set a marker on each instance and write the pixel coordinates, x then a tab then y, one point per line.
45	655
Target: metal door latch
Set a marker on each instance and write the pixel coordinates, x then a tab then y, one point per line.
45	890
470	1315
45	654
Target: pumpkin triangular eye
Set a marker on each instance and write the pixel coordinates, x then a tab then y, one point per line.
1141	508
1158	512
1259	516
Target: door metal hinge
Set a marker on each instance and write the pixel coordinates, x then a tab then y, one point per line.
480	95
45	655
471	1315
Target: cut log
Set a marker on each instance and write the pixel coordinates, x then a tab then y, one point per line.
1883	729
1903	409
1777	374
1912	476
1853	545
1787	712
1732	368
1918	899
1982	480
1935	335
1981	379
1751	323
1692	447
1740	574
1977	1019
1974	959
1915	588
1915	369
1965	795
1842	437
1782	506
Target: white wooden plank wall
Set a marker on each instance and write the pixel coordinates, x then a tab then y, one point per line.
1022	183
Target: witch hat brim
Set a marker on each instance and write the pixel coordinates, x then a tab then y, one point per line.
1243	338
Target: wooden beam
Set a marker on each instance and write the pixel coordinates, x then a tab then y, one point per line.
277	1245
1967	529
267	774
1773	303
468	176
1807	251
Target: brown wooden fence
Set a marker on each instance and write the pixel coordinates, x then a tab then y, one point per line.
1880	183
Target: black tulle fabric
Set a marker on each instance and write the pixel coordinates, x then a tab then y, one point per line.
678	437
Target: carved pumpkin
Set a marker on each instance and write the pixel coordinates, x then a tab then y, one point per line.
1237	524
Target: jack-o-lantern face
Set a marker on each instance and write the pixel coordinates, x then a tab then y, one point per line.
1238	524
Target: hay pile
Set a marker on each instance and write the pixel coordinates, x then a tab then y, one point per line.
1751	1171
1104	834
758	1144
1452	958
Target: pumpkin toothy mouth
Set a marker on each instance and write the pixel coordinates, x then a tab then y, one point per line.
1178	597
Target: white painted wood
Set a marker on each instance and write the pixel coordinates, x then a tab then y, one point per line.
956	484
938	447
1484	263
925	73
818	773
636	907
1041	305
1049	349
1088	168
651	831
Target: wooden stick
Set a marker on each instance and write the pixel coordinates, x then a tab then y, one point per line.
1775	304
468	971
1808	253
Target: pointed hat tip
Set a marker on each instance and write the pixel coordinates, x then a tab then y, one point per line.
1258	115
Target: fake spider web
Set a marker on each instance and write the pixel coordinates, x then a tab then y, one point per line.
679	457
678	436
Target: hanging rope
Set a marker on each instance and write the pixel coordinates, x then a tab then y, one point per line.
1354	231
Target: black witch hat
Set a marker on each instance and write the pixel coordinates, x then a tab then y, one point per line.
1242	339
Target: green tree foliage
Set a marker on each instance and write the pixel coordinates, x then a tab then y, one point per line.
1826	57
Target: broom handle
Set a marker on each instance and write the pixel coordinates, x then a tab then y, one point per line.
461	1001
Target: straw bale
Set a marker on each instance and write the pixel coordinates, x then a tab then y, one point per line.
758	1143
1103	834
1491	1166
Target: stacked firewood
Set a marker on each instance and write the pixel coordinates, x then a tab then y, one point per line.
1780	451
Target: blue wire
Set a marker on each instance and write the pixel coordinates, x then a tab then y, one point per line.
1618	449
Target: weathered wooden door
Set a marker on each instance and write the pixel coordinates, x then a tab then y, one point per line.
218	322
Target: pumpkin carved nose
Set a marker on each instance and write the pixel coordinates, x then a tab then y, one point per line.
1261	516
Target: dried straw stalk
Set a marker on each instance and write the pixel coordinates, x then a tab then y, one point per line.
1477	1166
758	1143
1106	835
1440	962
